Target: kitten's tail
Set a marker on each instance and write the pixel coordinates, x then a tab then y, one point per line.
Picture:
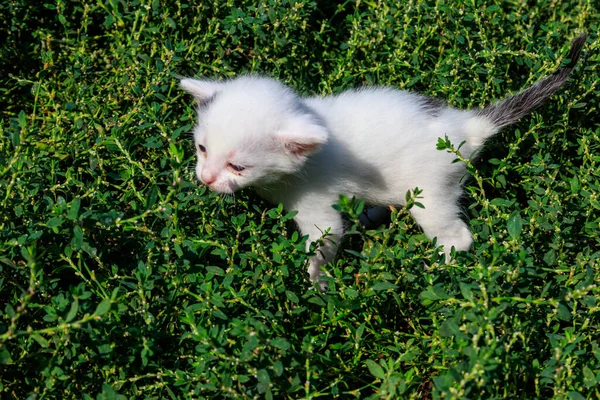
508	111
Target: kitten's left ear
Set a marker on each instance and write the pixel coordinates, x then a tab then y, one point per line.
302	135
202	90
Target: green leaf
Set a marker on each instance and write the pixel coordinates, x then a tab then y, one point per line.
317	300
434	293
278	368
589	377
5	358
73	311
280	343
152	197
220	314
515	225
40	339
8	262
77	241
465	289
289	216
550	257
449	328
22	119
74	209
176	152
292	296
8	309
498	201
375	369
239	220
108	393
103	307
574	185
216	270
152	143
360	206
263	376
563	312
384	286
54	222
26	254
573	395
443	144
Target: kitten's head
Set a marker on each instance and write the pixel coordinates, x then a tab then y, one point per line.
250	131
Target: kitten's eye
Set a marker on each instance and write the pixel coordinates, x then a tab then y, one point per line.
201	148
236	168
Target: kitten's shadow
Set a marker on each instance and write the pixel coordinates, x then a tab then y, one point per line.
374	217
344	164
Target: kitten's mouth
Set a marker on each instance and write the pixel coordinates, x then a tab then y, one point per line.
220	188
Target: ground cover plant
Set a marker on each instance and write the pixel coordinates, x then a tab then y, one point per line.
121	277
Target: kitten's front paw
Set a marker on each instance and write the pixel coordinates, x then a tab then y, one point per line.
323	285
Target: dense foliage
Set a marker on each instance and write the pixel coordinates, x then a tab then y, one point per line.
121	277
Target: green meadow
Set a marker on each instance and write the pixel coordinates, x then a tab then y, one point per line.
121	277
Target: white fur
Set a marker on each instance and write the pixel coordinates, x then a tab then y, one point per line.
374	143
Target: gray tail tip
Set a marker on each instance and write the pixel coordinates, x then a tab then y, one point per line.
576	46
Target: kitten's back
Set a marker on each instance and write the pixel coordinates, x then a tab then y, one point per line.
382	123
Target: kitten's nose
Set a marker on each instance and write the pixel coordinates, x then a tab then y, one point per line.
208	178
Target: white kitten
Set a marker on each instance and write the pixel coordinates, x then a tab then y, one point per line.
372	143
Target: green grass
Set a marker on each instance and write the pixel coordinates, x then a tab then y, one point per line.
121	277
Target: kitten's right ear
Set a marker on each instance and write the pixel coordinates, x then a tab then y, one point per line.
302	135
202	90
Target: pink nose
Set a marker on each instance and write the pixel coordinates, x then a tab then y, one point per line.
208	178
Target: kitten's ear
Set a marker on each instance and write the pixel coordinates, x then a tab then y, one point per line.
302	136
202	90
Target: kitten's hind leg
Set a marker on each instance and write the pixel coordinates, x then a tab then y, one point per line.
441	219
